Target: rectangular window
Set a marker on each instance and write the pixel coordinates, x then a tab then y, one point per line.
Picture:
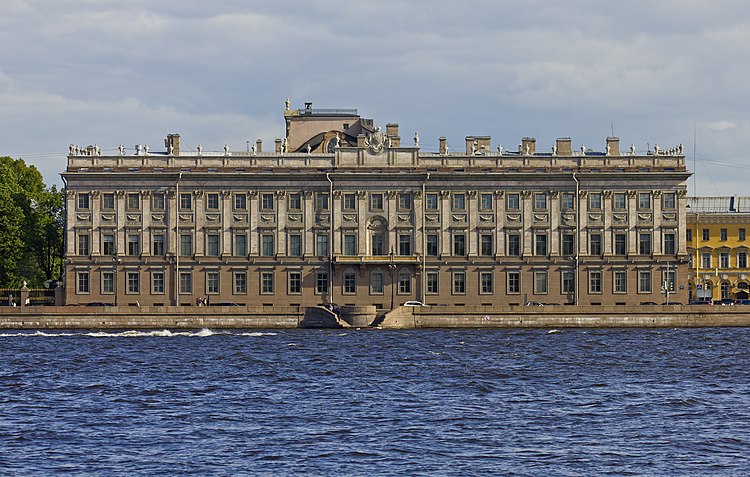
485	245
741	234
485	201
540	201
513	202
432	245
689	235
706	235
186	283
186	245
669	243
240	282
595	244
540	282
376	283
378	246
295	245
644	243
108	201
240	201
742	260
621	243
514	282
459	201
644	200
158	245
157	283
350	245
486	283
295	201
83	282
568	201
266	282
212	245
644	281
108	282
134	282
134	244
459	283
212	282
514	244
432	202
266	201
350	201
108	244
724	260
240	244
186	201
568	281
83	244
83	201
404	201
595	281
376	202
459	244
404	244
321	245
350	283
433	284
404	283
321	283
157	201
706	260
321	201
134	201
540	243
568	244
620	281
267	245
669	201
619	201
723	235
595	200
212	201
295	283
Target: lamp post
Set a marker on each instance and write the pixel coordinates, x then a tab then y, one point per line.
392	267
115	261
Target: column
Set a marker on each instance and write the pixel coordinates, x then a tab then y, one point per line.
656	197
500	223
199	221
445	222
528	218
632	222
607	209
362	238
226	222
281	222
472	238
554	223
336	239
146	222
254	209
96	217
392	221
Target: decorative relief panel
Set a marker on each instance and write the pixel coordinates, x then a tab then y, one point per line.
294	218
595	218
644	217
239	217
619	218
513	218
83	217
213	217
157	218
404	218
486	217
459	217
541	218
569	219
186	217
669	217
134	217
108	217
322	219
349	217
267	217
432	217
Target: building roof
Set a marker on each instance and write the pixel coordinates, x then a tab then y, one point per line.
719	205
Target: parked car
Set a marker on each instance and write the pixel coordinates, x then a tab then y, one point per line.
414	303
225	303
534	303
97	303
648	303
742	302
724	301
702	301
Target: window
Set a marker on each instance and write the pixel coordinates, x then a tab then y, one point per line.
350	283
485	245
108	201
266	282
321	282
212	282
568	244
157	201
376	201
134	282
433	285
459	201
741	259
540	201
321	201
376	283
689	235
134	201
350	201
644	243
595	200
378	246
134	244
158	242
486	283
741	234
540	243
295	283
514	282
568	281
186	282
644	281
619	201
108	244
706	234
669	243
723	235
706	260
295	201
157	282
295	245
186	201
459	244
432	245
432	202
513	202
240	201
83	201
595	281
620	281
514	244
240	244
212	201
459	283
724	260
186	245
350	245
404	201
321	245
212	245
108	282
568	201
404	244
595	244
83	244
404	283
644	200
83	282
240	282
540	282
485	201
669	201
266	201
267	245
621	243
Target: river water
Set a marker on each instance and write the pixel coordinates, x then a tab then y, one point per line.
375	402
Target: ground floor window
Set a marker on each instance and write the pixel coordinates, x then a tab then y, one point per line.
595	281
266	282
433	282
157	282
134	282
212	282
620	278
404	283
644	281
459	283
186	282
514	282
350	283
568	281
376	283
486	282
83	284
240	282
295	283
321	283
108	282
540	282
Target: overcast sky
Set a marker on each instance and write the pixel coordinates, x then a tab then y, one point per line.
131	71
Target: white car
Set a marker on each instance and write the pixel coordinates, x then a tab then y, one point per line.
414	303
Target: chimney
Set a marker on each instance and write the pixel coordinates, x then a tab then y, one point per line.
564	146
174	141
258	146
528	146
278	145
484	142
443	145
470	144
361	138
613	146
391	130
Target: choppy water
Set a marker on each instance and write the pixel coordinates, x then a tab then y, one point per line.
437	402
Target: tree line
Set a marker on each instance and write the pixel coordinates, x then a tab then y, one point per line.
32	219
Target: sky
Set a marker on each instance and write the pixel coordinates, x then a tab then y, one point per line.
112	72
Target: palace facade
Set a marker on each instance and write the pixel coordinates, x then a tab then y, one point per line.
342	212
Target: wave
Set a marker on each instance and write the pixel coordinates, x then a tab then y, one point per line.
134	334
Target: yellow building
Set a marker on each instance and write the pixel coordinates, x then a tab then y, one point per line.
718	246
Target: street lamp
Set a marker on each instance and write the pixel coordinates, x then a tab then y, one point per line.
115	261
392	267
